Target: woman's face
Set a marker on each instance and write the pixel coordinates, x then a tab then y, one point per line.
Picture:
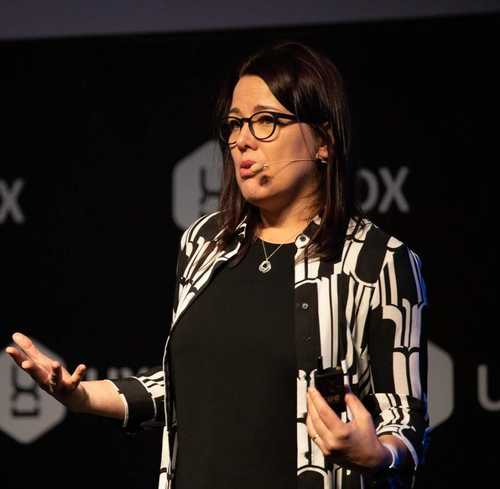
282	183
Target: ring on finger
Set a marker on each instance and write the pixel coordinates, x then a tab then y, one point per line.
52	384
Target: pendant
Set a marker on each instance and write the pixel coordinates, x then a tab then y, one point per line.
265	266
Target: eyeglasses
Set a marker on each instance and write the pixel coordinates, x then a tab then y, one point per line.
262	125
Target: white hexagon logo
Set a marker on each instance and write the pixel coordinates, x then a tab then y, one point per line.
196	184
26	411
440	385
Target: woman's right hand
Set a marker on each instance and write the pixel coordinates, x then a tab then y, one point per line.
48	373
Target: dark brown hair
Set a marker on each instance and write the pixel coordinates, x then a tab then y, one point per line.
309	85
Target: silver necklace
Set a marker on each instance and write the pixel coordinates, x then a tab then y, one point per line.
265	265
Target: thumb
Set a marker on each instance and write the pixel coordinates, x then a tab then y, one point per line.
357	408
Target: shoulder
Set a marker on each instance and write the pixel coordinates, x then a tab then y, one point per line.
206	227
370	235
373	249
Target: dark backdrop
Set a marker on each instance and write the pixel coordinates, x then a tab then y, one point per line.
91	131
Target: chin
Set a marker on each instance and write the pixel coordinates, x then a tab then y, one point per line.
255	189
262	198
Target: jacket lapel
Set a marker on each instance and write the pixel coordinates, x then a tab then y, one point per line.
195	278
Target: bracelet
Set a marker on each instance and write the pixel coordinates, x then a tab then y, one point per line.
394	454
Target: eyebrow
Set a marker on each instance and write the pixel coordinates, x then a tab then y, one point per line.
235	110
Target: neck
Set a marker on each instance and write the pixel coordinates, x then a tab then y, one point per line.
283	225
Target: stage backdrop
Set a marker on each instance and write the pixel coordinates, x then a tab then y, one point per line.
107	153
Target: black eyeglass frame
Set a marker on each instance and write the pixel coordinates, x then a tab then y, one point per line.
241	120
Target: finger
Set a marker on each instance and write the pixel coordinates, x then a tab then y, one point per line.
325	412
34	371
28	347
317	424
57	376
311	429
357	408
321	445
17	355
78	374
314	435
27	364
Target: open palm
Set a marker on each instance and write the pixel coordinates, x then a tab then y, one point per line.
48	373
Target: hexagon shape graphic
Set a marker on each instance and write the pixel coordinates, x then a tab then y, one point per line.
26	411
196	184
441	384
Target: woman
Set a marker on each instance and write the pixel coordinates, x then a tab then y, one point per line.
284	273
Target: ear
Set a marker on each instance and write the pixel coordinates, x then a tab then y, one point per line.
322	152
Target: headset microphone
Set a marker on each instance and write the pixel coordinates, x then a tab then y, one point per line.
257	167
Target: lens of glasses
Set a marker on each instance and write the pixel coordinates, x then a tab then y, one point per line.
262	126
230	129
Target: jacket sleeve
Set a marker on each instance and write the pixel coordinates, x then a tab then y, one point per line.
143	396
397	345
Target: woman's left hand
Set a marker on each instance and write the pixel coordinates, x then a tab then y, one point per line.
355	444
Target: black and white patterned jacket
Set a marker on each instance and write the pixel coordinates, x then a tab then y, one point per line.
364	312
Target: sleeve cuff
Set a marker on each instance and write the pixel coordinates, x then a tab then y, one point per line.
397	431
138	403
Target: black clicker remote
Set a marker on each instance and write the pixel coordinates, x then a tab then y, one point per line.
330	384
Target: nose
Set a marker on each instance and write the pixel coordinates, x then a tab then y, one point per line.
246	139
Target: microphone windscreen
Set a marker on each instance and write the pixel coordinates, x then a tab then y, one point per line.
256	167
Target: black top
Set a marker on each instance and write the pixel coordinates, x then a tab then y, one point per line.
234	373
